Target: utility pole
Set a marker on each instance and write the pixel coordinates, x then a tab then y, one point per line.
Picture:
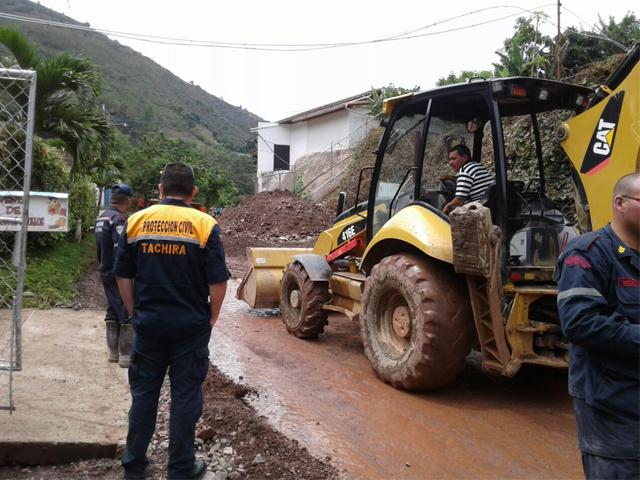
558	42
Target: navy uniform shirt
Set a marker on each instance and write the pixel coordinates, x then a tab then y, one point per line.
173	252
599	305
108	228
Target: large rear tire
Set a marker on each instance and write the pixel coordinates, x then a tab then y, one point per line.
301	302
417	324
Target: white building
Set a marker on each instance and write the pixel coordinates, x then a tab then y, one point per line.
331	128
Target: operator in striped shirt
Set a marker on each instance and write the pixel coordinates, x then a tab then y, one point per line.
472	179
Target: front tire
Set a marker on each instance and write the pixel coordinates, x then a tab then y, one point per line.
301	302
417	324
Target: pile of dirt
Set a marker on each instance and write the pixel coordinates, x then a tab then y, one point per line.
277	219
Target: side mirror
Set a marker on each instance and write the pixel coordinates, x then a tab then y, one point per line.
342	196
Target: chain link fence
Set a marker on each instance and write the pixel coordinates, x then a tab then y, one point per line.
17	107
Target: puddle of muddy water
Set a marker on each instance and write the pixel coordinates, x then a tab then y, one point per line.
265	312
268	401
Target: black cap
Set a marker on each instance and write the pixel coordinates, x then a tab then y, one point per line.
122	190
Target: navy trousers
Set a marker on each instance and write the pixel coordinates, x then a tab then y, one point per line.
188	362
115	307
609	443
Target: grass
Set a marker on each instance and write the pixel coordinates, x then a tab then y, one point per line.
51	272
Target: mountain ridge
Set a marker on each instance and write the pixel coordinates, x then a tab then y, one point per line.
139	95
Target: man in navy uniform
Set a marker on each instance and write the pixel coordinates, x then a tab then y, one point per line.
599	304
108	228
175	255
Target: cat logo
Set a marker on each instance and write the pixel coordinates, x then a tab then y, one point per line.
599	152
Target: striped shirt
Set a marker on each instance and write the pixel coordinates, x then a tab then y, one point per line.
472	181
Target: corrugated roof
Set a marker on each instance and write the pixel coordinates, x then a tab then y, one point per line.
330	107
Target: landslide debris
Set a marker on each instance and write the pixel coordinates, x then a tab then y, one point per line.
272	219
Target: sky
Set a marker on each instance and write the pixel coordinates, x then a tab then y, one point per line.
278	84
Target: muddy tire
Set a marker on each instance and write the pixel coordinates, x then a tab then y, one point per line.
417	324
301	302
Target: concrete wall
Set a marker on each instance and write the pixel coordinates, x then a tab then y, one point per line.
272	133
298	141
307	139
321	131
357	117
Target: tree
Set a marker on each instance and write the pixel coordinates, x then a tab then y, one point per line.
465	75
66	92
581	47
107	175
376	101
527	52
145	163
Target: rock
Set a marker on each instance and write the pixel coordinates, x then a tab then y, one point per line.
216	447
220	475
234	476
121	449
227	451
28	294
224	441
199	441
258	460
548	410
77	306
408	464
207	434
165	444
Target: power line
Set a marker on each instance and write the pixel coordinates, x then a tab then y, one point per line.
604	37
274	47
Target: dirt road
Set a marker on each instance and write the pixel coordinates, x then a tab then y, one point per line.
325	394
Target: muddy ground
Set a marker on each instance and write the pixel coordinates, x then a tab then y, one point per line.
233	433
235	440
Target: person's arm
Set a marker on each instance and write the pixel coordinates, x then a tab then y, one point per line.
127	292
464	181
117	229
124	270
217	292
447	178
582	305
453	203
217	272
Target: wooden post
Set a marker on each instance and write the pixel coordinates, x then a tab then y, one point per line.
558	43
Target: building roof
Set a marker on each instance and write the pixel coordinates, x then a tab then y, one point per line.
360	99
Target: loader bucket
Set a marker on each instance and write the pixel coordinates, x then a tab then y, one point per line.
260	287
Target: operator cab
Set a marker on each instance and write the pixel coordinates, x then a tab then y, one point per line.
414	154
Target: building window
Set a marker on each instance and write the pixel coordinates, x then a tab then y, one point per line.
281	157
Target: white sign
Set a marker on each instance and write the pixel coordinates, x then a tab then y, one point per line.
48	212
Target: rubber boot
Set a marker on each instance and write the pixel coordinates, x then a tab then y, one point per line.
113	334
124	344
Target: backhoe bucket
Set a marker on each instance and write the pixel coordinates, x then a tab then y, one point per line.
260	287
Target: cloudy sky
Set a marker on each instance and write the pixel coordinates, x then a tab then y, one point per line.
448	36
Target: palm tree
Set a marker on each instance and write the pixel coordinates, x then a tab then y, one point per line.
66	93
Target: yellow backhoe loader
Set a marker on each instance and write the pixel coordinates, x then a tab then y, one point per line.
427	287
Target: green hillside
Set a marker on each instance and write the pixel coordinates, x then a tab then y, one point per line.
138	91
